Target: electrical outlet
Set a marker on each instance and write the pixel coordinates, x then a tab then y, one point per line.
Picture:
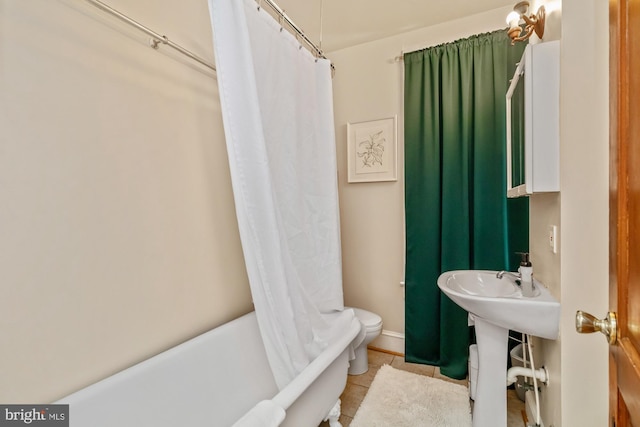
553	238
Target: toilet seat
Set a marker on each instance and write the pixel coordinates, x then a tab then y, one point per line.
371	321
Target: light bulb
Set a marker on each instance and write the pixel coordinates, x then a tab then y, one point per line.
513	18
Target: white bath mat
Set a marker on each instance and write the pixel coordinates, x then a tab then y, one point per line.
401	399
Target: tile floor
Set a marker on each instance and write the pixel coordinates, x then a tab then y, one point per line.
358	385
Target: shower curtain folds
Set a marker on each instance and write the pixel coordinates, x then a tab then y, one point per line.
278	118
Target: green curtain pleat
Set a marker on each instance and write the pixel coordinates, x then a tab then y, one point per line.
457	213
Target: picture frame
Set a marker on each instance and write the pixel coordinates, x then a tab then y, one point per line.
372	150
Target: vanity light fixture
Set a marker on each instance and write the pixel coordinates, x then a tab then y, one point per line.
533	22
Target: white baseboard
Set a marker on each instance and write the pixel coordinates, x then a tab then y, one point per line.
390	341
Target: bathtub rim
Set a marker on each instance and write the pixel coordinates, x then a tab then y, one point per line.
288	395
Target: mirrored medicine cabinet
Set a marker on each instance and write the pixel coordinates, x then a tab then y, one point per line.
533	116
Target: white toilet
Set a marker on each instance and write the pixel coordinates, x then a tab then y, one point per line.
372	325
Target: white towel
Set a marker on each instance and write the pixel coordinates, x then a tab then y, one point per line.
264	414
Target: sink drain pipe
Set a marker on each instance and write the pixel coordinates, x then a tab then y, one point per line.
541	374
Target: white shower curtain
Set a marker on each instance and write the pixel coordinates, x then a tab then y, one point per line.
278	118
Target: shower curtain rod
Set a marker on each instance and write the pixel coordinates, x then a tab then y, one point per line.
156	38
298	32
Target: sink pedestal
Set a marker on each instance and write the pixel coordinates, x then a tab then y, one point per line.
490	405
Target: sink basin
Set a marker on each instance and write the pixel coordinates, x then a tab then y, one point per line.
500	301
497	305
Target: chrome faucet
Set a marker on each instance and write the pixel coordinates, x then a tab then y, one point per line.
516	276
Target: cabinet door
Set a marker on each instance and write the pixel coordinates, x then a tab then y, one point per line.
533	117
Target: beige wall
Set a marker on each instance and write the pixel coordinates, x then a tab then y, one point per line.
584	208
118	236
578	274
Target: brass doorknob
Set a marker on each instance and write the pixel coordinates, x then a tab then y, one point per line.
586	324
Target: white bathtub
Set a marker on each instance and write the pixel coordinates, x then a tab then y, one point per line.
213	380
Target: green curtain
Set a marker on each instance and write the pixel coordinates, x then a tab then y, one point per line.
457	213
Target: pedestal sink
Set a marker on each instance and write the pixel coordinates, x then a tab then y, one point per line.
497	305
